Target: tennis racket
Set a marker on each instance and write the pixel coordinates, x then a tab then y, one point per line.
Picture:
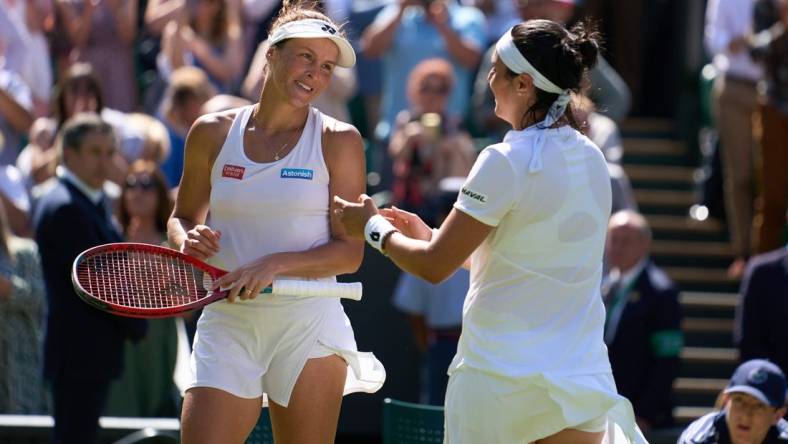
148	281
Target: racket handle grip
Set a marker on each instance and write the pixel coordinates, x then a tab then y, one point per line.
350	290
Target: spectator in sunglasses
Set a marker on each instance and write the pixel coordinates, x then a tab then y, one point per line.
145	204
427	144
146	388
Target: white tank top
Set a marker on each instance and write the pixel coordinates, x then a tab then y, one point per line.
264	208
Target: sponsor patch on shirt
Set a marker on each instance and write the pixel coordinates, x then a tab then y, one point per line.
296	173
474	195
233	171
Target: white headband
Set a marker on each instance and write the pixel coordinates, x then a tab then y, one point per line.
316	29
514	60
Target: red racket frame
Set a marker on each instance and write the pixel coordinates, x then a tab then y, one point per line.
123	310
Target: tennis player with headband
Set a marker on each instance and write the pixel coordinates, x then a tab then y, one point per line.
531	365
254	198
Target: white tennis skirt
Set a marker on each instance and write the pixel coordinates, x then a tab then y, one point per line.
258	347
486	408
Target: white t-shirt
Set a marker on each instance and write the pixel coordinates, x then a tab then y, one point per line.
534	304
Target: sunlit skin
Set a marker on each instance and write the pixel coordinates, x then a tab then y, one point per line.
514	95
92	161
303	70
749	419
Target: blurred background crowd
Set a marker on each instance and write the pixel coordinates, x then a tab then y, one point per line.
710	76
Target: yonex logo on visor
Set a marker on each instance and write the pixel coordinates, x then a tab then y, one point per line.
316	29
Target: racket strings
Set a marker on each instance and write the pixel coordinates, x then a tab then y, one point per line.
140	279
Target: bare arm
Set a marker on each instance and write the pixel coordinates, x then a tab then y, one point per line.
465	52
159	12
448	250
172	45
377	39
433	260
16	115
226	66
185	229
78	24
411	225
125	14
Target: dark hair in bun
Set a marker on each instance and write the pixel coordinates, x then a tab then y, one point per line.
564	57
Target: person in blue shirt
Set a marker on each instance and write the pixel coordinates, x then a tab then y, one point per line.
410	31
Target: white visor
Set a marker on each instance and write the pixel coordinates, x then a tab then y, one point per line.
316	29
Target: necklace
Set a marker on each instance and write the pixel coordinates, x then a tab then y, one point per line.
276	154
294	138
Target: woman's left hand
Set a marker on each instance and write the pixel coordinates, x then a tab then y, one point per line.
354	216
247	281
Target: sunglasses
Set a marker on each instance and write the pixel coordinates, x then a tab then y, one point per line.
434	89
141	182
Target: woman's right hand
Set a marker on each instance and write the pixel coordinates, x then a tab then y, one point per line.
201	242
407	223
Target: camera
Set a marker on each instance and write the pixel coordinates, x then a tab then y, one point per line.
433	126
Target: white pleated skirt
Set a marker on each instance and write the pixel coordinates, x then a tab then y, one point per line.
489	408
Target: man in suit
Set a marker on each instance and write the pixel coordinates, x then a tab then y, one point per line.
83	348
763	309
643	325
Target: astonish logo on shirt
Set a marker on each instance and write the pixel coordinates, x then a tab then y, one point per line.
474	195
296	173
233	171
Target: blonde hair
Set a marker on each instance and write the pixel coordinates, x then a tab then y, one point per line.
294	10
157	140
186	82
